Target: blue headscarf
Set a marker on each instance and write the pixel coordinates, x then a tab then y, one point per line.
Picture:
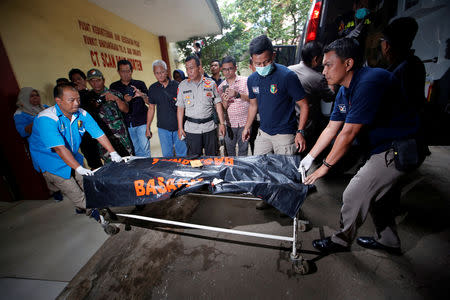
183	77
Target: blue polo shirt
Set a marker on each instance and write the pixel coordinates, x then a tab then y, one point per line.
374	99
50	129
276	94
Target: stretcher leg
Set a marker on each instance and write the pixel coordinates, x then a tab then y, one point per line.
301	265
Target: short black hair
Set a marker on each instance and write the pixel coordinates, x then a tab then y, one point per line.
216	60
311	50
77	71
193	57
197	44
401	32
58	90
62	80
347	48
124	62
229	59
260	44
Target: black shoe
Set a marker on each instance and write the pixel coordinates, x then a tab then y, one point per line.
79	210
370	243
263	205
326	245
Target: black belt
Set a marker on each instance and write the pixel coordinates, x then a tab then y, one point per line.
199	121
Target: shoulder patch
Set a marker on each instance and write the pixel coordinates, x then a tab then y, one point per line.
49	113
82	112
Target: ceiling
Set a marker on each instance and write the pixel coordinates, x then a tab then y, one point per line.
177	20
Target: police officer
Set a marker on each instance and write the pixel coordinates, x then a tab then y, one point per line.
197	96
369	107
273	92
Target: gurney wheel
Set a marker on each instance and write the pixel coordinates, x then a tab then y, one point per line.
111	229
302	227
302	267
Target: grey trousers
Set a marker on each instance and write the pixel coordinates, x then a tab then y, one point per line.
71	188
372	188
233	137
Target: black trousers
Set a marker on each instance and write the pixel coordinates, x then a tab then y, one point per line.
89	148
196	142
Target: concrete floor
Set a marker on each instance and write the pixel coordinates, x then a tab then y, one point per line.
47	249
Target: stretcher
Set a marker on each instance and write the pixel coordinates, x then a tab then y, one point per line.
274	177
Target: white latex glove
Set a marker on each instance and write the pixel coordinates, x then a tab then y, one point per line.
83	171
306	163
115	157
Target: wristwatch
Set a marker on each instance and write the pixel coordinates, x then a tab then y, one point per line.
301	131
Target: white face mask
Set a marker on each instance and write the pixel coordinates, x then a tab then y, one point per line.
264	71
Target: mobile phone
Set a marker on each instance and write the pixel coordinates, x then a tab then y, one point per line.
130	91
224	88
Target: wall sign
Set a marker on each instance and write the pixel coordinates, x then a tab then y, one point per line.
100	37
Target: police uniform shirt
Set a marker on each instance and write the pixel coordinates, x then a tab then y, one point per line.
276	94
52	128
374	99
198	100
165	99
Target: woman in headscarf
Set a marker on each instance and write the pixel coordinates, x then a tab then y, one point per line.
29	105
178	75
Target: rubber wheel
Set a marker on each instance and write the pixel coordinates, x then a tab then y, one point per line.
302	227
302	267
111	229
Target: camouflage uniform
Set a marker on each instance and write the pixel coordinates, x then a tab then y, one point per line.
110	120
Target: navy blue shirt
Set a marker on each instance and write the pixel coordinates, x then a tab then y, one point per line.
374	99
165	99
276	94
137	115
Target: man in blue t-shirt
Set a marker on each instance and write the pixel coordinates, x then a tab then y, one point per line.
55	140
273	92
368	106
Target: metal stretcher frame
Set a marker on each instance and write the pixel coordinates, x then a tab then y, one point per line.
301	266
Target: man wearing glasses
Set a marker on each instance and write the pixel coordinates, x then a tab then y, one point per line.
234	93
273	91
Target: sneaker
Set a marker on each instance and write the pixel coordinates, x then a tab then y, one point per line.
57	196
95	214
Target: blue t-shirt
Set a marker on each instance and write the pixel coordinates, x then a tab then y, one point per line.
374	99
276	94
50	129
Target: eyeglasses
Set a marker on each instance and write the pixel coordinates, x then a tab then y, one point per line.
228	69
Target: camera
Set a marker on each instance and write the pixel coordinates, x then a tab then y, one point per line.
130	91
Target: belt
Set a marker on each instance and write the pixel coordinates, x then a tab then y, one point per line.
199	121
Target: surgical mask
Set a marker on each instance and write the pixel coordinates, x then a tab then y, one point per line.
264	71
362	13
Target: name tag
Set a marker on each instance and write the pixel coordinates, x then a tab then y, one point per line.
188	91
